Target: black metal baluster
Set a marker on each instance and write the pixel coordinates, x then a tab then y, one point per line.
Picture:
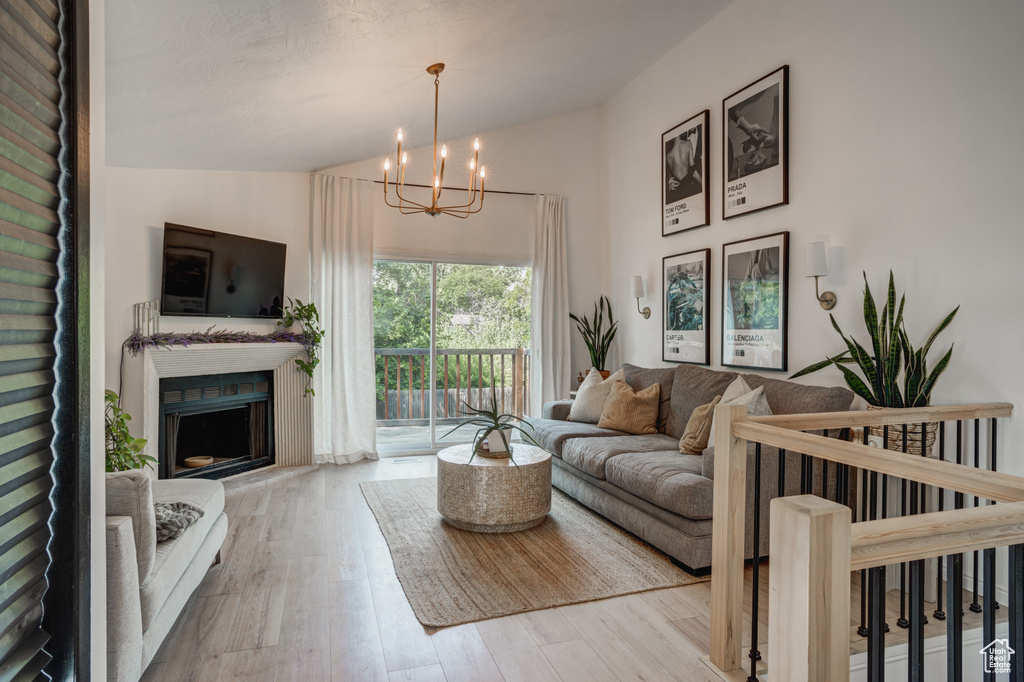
975	606
824	472
939	614
902	620
782	473
955	624
988	620
755	655
923	496
916	644
1016	608
876	618
863	629
803	475
992	461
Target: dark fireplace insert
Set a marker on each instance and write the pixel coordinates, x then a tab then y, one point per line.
228	418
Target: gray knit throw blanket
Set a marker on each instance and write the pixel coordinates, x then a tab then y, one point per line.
172	518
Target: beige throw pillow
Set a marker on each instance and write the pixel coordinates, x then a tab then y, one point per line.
739	393
630	411
591	397
698	429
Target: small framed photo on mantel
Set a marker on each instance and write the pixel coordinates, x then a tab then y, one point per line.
685	201
755	122
686	328
755	293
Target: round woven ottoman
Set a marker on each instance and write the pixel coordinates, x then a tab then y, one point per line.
491	495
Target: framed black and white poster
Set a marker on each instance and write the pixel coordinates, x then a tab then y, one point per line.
686	328
685	201
755	122
755	291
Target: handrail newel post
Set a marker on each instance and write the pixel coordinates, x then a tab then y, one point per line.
727	540
809	590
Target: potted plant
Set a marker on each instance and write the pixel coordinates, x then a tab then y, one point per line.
312	335
597	338
489	422
892	373
123	451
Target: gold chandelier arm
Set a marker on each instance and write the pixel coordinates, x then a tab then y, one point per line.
403	200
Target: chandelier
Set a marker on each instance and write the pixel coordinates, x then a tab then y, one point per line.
434	208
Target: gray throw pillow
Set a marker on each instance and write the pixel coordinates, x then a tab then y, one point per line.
172	518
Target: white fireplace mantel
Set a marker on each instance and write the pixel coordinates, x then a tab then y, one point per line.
293	411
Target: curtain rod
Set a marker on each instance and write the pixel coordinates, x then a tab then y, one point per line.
456	189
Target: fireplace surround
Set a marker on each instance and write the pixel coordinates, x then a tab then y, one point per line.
291	408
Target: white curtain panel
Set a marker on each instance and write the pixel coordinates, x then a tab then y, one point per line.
549	307
341	280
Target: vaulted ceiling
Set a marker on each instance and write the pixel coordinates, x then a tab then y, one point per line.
298	85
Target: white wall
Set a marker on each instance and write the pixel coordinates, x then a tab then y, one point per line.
904	155
272	206
557	155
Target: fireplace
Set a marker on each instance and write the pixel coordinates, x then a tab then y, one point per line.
225	417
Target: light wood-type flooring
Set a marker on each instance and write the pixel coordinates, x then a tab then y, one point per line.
307	591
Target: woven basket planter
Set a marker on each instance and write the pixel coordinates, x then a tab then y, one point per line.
914	437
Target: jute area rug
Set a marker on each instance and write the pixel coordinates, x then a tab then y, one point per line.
452	576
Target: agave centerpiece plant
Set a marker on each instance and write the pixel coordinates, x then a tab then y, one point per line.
488	421
597	338
892	373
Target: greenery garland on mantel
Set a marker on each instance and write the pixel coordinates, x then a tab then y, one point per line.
311	337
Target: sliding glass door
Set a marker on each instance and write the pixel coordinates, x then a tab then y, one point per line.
463	329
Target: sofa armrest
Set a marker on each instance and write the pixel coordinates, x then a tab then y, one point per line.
130	493
124	608
557	409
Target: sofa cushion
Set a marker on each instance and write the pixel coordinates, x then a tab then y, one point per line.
550	434
556	409
591	454
174	556
786	397
666	478
739	393
692	387
631	411
640	378
129	493
591	397
698	429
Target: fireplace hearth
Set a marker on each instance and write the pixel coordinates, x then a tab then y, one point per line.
228	417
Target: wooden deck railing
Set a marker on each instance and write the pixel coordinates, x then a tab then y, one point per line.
814	544
462	375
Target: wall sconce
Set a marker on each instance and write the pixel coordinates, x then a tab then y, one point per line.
817	266
638	293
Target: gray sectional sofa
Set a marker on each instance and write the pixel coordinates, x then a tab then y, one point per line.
643	483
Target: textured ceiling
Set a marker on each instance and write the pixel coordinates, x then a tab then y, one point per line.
298	85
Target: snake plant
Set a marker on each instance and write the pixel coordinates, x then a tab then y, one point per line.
892	355
598	339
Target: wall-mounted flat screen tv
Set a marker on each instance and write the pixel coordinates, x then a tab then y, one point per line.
215	274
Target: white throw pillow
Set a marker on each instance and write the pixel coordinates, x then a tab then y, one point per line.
739	393
591	397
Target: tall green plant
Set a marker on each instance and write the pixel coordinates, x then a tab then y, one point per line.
309	322
892	354
598	339
123	451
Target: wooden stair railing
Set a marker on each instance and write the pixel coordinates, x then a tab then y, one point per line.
814	546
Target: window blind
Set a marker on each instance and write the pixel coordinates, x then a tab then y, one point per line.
30	171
